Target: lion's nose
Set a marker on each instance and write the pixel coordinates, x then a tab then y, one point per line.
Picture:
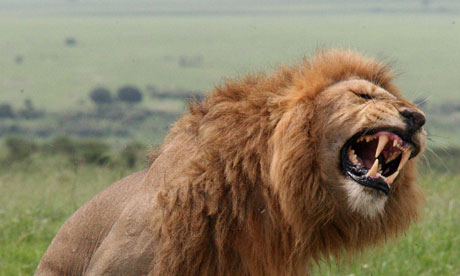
414	119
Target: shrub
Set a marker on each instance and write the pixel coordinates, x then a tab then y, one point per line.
101	96
19	59
190	61
6	111
19	148
29	112
175	93
70	41
129	94
92	152
132	153
62	145
80	151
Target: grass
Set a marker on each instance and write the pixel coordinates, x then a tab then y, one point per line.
39	194
36	198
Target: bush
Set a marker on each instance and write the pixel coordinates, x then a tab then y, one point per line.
6	111
190	61
129	94
29	112
19	59
92	152
70	41
449	107
62	145
132	153
175	93
101	96
19	148
80	151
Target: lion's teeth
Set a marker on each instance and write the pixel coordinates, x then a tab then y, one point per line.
395	142
360	139
352	156
383	140
390	179
404	158
373	171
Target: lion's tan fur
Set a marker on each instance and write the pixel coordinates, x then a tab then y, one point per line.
256	190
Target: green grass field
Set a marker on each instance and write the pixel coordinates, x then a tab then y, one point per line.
119	43
39	194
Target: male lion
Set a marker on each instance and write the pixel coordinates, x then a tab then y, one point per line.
267	176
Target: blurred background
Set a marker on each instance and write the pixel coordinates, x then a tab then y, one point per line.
88	87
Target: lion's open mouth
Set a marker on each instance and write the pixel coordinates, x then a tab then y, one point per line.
375	160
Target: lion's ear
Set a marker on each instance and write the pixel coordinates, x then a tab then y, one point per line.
294	172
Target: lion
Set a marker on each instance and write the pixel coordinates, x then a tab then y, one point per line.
269	175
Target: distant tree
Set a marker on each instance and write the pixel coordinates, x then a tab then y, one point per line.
70	41
6	111
101	96
29	112
129	94
19	59
28	104
19	148
190	61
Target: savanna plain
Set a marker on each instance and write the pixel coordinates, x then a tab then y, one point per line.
60	146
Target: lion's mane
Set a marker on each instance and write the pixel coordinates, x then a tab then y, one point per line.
252	198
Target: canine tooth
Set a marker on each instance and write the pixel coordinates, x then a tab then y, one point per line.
383	140
395	142
404	158
373	171
390	179
360	139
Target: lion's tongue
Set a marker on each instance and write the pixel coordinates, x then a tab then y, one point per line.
367	163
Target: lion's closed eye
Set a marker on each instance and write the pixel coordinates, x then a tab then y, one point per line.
363	95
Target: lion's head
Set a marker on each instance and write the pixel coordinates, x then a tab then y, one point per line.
371	134
343	153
